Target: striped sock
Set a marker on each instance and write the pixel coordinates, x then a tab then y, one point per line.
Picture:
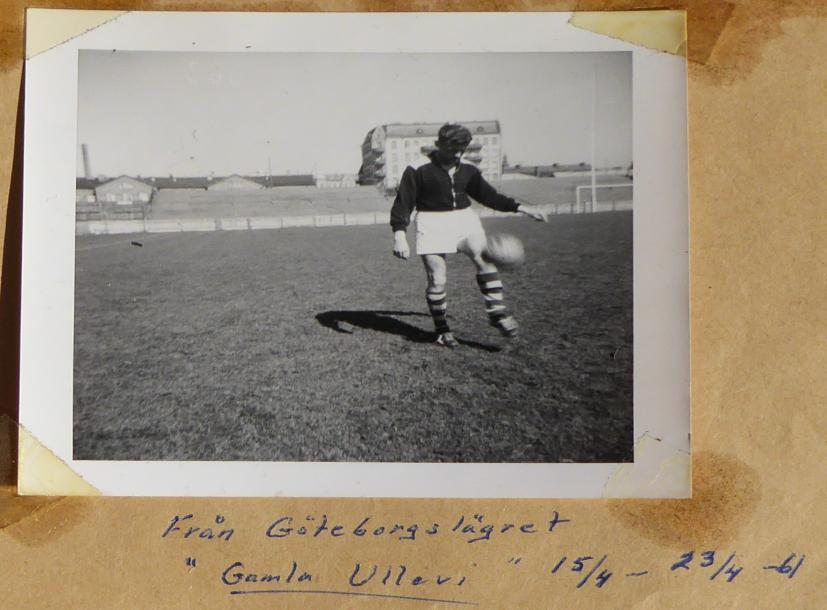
492	291
438	306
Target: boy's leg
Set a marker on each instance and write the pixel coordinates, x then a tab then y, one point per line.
488	279
436	268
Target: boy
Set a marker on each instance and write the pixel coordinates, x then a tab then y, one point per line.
445	223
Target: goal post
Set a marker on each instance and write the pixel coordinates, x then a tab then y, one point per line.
589	202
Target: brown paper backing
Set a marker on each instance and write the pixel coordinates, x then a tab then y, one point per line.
757	91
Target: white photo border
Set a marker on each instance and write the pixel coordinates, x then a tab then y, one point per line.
661	261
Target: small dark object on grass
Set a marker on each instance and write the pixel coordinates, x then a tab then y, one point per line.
136	243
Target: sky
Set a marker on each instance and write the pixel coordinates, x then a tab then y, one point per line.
196	114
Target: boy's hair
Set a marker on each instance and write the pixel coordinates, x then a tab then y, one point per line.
454	133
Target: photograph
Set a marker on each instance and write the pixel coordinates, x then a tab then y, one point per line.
354	257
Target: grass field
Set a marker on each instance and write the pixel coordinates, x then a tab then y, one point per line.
314	344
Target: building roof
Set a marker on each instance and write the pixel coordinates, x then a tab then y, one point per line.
202	182
412	130
105	183
255	180
93	183
86	183
191	182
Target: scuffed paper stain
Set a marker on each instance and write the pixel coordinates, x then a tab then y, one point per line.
659	470
658	30
48	28
42	473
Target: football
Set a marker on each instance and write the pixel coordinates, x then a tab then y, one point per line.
504	251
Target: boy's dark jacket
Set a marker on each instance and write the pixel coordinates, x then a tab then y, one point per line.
428	188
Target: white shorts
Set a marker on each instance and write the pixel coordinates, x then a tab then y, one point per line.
443	232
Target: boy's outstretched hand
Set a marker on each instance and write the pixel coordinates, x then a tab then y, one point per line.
400	245
532	212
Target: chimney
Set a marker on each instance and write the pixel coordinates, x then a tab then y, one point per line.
87	165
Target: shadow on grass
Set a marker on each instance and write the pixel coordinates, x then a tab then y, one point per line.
387	322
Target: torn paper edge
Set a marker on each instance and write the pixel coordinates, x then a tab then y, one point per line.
657	30
49	28
658	467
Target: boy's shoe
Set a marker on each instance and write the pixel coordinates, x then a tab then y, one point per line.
447	340
507	326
